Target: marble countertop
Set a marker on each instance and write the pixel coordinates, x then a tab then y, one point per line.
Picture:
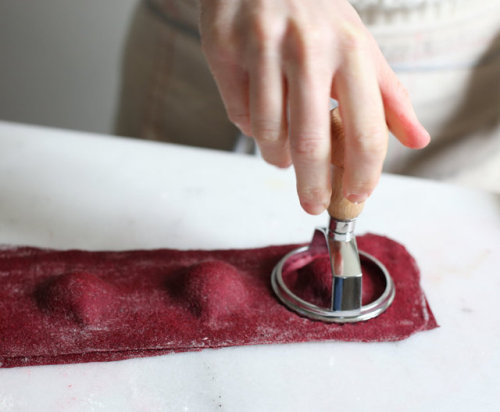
67	189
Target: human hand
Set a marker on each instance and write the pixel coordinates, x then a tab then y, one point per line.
277	63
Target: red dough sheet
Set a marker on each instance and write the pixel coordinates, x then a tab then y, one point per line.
80	306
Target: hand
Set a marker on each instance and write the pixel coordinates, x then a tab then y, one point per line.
269	55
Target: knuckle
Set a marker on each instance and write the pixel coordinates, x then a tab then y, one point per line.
371	144
305	41
308	147
264	30
267	132
311	37
263	36
352	37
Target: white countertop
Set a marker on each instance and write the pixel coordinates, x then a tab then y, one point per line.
67	189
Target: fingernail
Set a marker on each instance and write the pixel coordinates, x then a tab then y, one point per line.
357	198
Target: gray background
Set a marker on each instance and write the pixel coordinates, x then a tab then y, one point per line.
60	61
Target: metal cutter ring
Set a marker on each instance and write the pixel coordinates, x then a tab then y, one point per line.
309	310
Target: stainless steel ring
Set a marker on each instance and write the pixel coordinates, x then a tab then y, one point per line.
309	310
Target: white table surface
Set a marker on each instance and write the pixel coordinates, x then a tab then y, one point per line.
65	189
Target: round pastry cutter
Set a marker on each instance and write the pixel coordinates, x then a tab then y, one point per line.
340	244
346	306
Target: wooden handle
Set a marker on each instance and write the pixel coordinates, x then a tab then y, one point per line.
340	208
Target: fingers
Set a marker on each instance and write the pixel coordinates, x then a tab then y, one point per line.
310	138
268	108
399	112
264	55
363	116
